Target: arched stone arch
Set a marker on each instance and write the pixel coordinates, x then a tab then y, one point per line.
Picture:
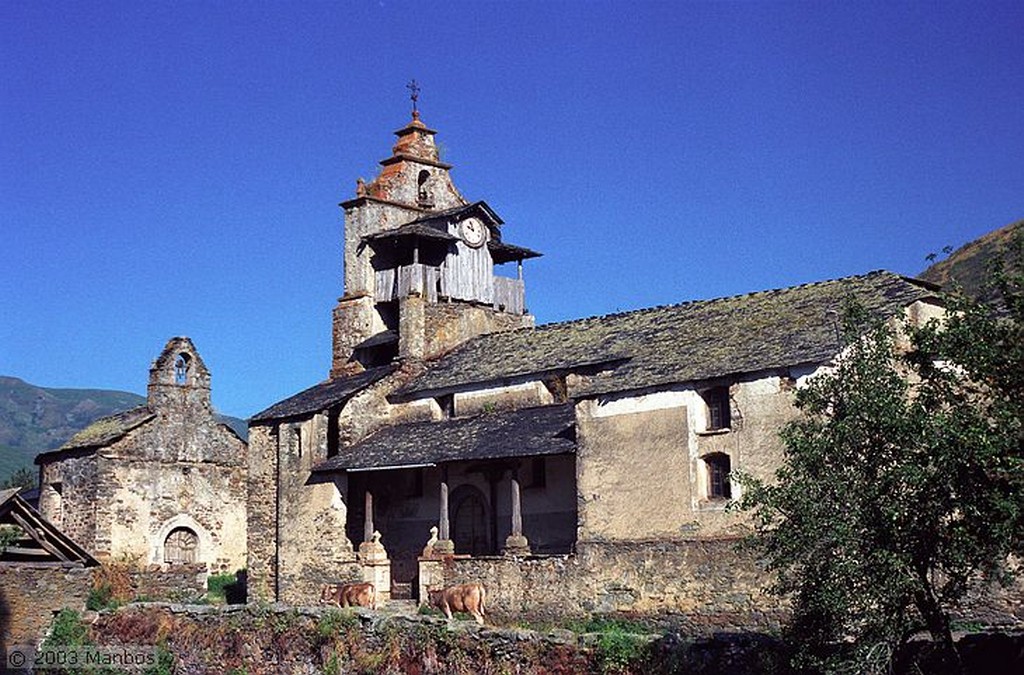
183	521
182	368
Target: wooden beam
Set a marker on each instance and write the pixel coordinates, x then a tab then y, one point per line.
40	537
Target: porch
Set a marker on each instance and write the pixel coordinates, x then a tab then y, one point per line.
498	483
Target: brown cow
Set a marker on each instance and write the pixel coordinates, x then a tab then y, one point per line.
461	598
350	595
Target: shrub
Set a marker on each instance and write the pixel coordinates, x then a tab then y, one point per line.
216	587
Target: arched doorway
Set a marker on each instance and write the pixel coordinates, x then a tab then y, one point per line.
470	530
181	546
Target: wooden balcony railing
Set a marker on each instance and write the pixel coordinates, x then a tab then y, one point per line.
391	284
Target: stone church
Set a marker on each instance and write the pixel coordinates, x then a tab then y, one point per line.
160	484
455	440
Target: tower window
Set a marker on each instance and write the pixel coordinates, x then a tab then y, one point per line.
717	401
718	468
423	195
181	365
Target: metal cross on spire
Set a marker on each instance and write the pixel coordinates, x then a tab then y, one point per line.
415	95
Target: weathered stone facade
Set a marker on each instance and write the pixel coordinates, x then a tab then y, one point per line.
163	483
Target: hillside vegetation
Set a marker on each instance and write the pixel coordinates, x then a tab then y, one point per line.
36	419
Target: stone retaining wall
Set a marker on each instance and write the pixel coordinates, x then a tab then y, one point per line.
705	585
174	583
31	593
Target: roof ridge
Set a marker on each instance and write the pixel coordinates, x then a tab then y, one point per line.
642	310
686	303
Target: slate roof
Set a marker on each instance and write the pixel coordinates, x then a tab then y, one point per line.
480	208
382	338
415	228
106	430
688	342
503	253
322	396
547	430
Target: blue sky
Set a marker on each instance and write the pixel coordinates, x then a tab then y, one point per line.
175	168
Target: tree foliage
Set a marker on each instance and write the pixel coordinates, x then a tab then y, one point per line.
23	477
903	480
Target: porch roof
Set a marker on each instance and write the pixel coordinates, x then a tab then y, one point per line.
547	430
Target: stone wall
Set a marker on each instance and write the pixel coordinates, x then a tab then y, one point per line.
311	542
261	512
448	324
134	519
30	594
702	585
633	474
170	583
71	508
642	471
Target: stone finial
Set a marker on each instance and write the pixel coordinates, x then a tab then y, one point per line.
373	551
428	550
360	187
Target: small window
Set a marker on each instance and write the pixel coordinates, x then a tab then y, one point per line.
718	467
181	369
181	546
717	401
57	513
447	405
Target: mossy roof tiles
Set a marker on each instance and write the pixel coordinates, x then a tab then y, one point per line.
526	432
106	430
692	341
322	396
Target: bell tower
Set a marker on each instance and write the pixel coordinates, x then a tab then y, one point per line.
420	262
179	382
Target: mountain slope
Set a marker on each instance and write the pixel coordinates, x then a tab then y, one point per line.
35	419
967	266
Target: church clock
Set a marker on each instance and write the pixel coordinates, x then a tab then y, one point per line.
473	232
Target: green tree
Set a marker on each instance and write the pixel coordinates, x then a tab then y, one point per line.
903	482
23	477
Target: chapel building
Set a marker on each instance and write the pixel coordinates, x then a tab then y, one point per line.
162	484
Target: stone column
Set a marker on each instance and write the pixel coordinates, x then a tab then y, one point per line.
516	543
431	569
368	518
444	544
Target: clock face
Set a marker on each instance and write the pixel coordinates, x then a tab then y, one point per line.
473	232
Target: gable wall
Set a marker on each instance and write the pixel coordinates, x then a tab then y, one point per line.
121	502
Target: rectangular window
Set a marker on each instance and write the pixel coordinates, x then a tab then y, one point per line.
718	467
717	401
